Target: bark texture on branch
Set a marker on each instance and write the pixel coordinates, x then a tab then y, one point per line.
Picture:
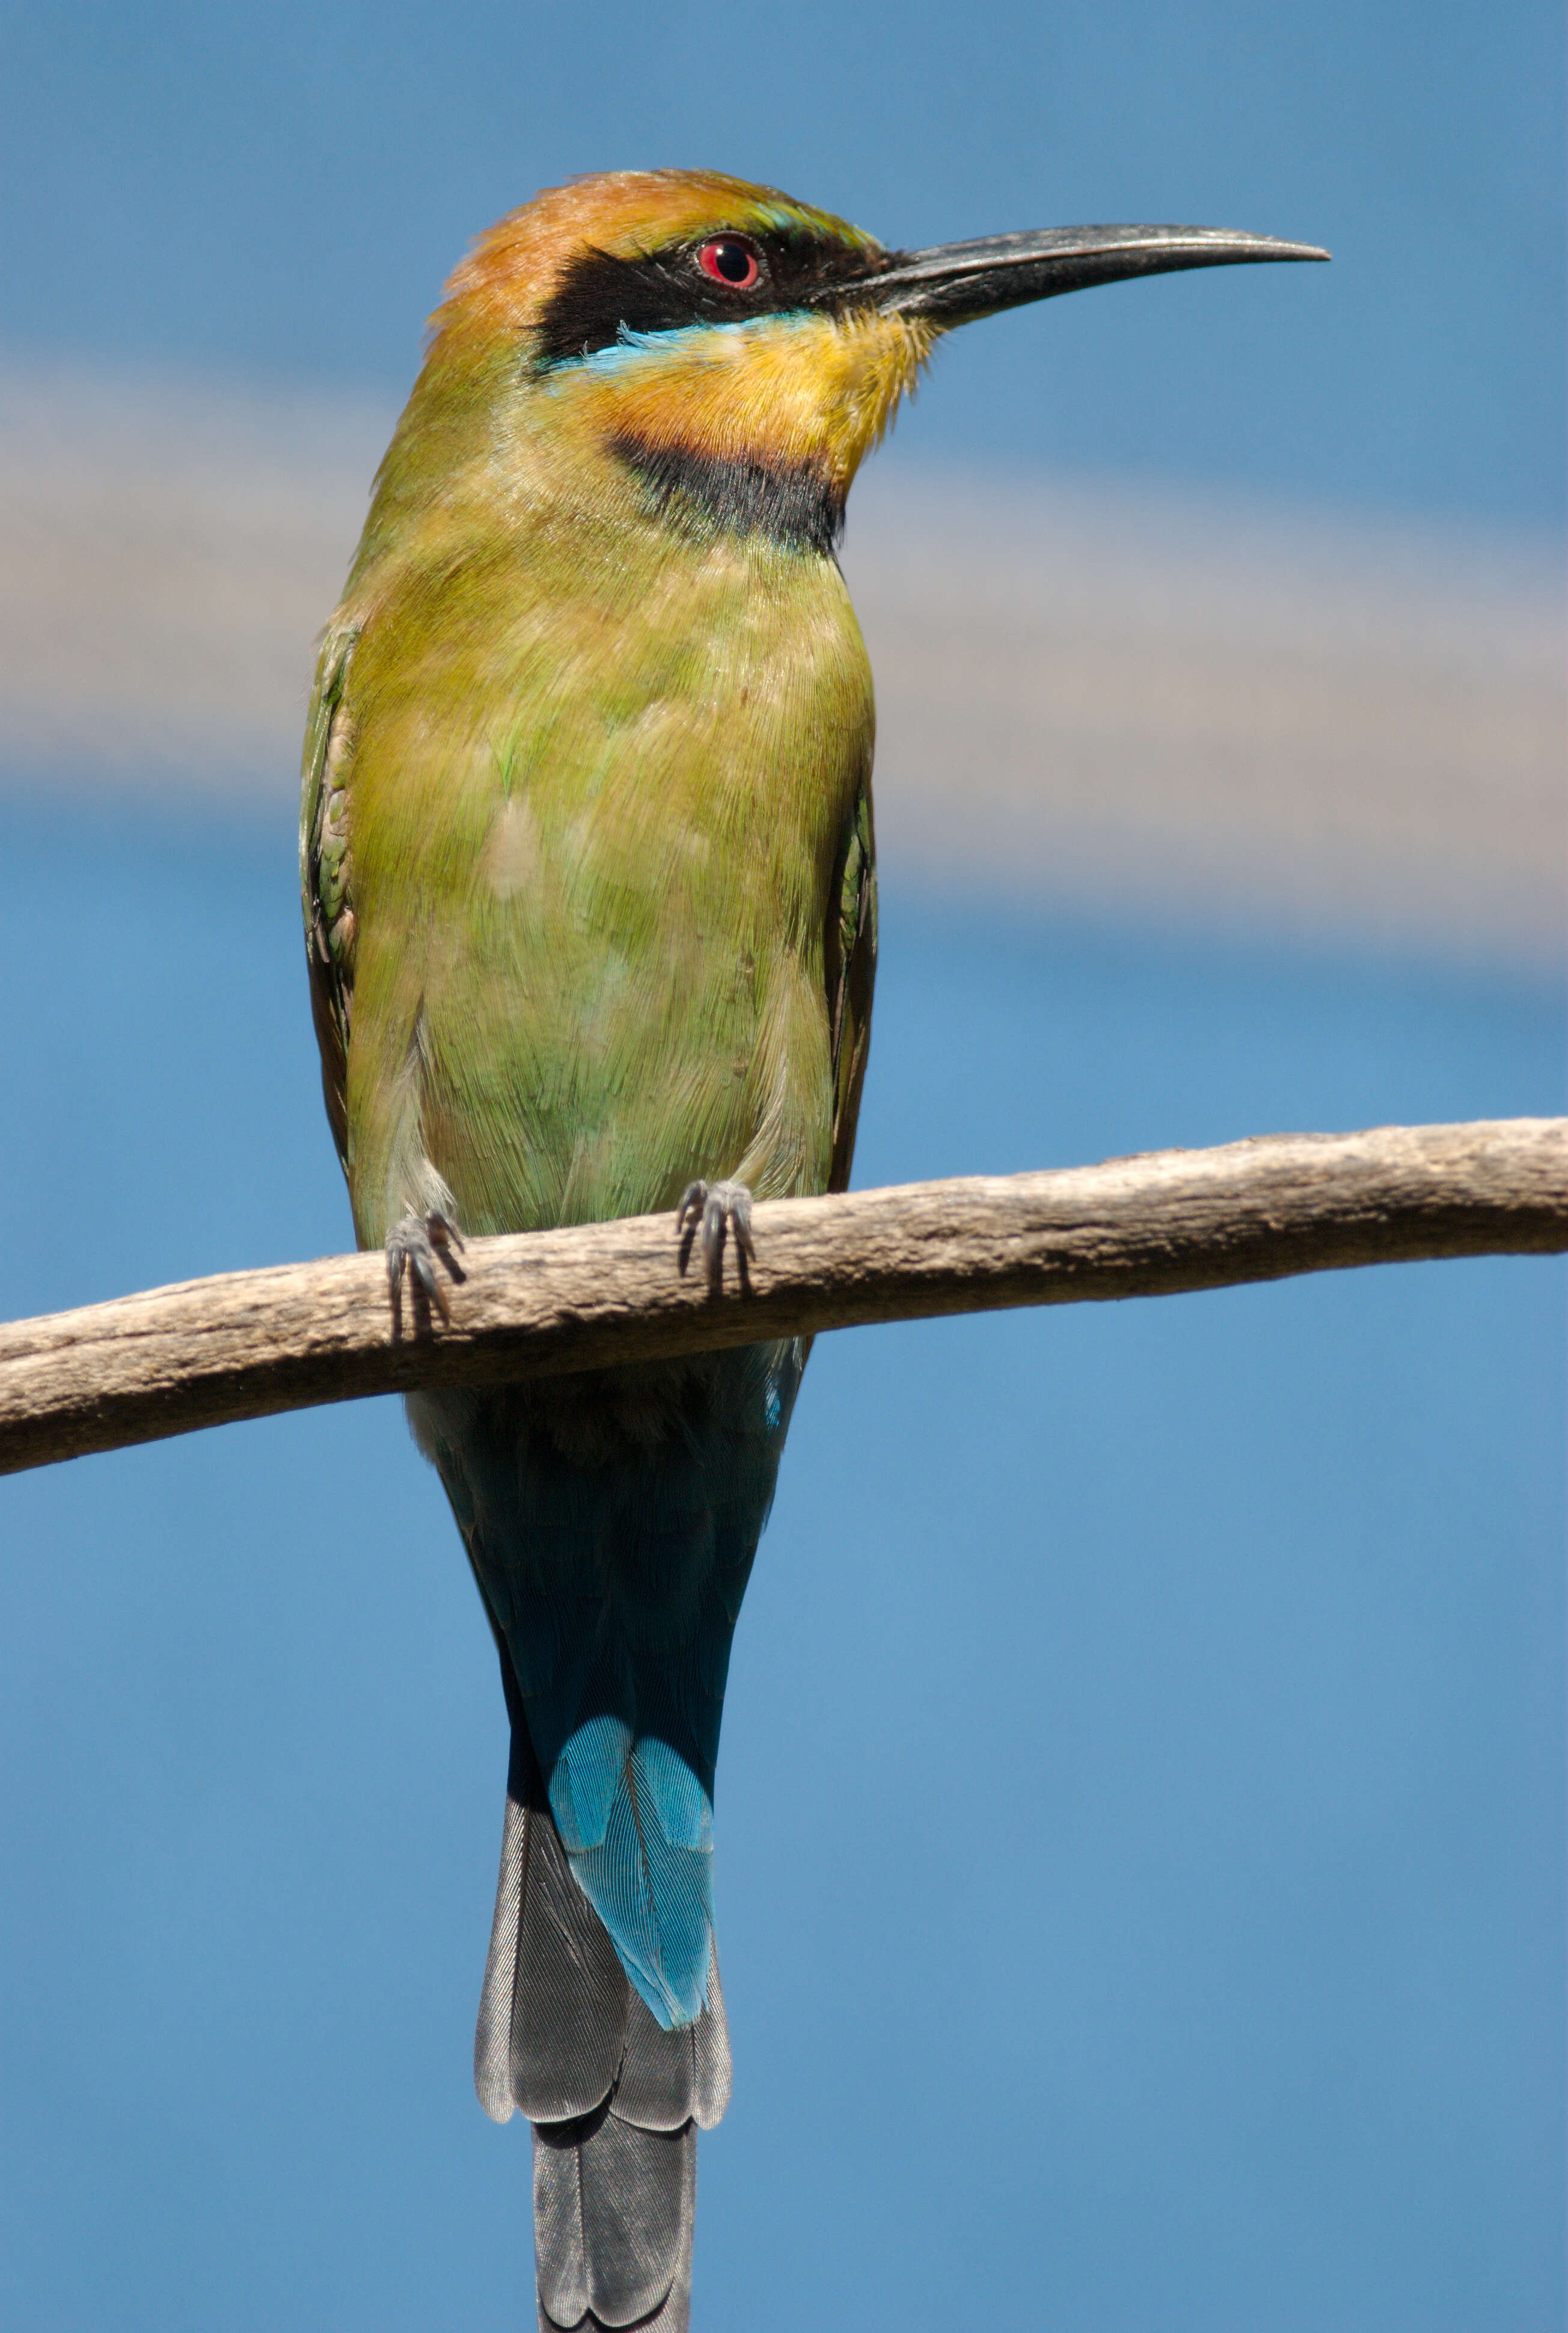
247	1343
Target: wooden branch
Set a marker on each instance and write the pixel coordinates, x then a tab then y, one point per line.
247	1343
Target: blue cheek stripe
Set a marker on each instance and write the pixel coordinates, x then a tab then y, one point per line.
628	346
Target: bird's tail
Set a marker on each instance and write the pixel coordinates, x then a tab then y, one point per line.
616	2101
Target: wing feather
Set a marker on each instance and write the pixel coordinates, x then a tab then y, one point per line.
325	871
851	972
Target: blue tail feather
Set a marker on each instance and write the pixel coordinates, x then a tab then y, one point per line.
638	1828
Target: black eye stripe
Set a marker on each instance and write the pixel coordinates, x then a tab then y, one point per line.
662	291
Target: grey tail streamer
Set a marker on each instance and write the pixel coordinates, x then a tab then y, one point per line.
615	2102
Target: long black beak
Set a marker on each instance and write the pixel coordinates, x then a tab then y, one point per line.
954	281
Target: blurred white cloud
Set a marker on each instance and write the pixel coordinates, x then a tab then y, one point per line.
1191	709
1091	694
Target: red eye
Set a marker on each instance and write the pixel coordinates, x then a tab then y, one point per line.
730	260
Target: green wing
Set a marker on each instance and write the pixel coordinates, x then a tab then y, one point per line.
851	972
330	924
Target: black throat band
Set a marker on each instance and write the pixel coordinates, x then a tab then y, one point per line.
791	505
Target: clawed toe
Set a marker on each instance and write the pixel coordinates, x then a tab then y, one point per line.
713	1210
415	1245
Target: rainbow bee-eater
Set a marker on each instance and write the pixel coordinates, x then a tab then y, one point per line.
590	908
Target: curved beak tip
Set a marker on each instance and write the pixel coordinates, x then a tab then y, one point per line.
954	282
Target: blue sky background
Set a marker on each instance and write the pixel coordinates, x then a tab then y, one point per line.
1141	1828
281	191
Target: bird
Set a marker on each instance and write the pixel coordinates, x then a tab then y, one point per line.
590	896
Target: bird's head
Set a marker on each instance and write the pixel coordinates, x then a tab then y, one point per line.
726	346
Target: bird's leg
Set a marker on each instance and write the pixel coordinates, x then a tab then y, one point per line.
712	1210
415	1245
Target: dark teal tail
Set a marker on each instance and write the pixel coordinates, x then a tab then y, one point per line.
611	1521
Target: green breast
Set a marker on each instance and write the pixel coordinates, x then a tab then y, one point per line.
600	779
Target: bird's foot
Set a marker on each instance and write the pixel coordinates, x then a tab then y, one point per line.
712	1211
415	1245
